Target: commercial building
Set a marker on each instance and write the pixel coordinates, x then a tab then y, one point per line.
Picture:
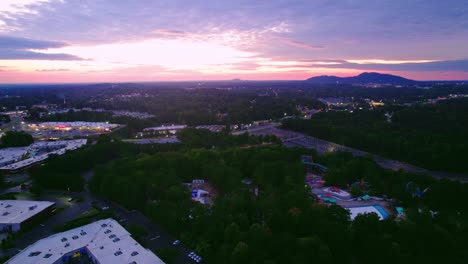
115	113
101	242
19	158
16	214
160	140
78	125
12	155
212	128
162	130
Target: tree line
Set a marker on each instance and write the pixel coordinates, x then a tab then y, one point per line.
430	136
275	220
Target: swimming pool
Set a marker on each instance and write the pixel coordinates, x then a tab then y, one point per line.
381	211
356	210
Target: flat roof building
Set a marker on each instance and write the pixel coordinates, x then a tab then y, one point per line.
12	159
165	128
14	214
162	130
12	155
104	241
104	126
212	128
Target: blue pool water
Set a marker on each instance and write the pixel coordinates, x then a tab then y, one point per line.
381	211
356	210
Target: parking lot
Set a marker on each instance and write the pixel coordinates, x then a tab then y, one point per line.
74	204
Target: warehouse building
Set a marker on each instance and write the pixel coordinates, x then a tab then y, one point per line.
104	241
12	159
16	214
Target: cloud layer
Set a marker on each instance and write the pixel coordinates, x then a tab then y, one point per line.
208	39
16	48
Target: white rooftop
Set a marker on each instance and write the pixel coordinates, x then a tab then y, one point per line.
17	211
17	158
163	128
75	124
12	154
105	239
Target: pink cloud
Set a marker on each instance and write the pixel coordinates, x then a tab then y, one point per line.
169	33
298	44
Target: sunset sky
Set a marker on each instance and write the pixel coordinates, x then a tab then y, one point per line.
155	40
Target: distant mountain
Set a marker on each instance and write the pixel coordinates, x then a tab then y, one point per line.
363	78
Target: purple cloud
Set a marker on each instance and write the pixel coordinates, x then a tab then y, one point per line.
16	48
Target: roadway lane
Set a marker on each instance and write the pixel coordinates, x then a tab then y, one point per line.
157	238
295	139
73	210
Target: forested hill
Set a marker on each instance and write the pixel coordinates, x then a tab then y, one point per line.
364	78
430	136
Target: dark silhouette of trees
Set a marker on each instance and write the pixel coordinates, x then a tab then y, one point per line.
430	136
16	139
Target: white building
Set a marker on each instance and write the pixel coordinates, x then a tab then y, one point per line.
17	158
15	214
212	128
99	126
172	129
12	155
103	242
166	128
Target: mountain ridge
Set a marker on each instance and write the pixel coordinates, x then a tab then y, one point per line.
362	79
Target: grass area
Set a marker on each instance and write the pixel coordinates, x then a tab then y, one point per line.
79	199
10	241
168	255
4	259
60	209
8	196
9	184
84	219
24	194
138	232
92	212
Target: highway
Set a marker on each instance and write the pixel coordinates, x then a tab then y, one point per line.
323	146
296	139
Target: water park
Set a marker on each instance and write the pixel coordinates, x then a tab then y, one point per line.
334	195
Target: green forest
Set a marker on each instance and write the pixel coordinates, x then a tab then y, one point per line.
191	107
274	219
15	139
283	223
430	136
56	173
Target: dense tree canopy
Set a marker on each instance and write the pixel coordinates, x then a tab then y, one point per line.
202	138
431	136
275	219
16	139
282	224
65	172
4	119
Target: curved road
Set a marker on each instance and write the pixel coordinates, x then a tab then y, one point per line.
296	139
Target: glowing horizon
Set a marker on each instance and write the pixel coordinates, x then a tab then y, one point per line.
49	41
